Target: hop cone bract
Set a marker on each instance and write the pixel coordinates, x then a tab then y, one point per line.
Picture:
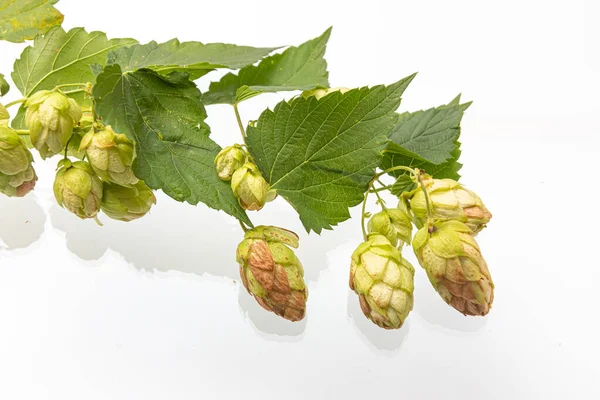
229	160
111	155
451	201
78	189
271	272
50	118
127	203
393	223
249	186
455	267
383	281
17	177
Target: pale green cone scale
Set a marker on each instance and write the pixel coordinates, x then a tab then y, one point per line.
78	189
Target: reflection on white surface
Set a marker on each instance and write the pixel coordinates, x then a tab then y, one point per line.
22	221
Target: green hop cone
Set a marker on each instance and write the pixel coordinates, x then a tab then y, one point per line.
111	155
455	267
450	201
229	160
127	203
4	86
17	177
272	273
320	93
250	188
383	281
393	223
50	118
78	189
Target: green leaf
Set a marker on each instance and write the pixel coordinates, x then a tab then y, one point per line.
404	183
321	154
413	145
297	68
195	58
22	20
59	58
165	118
4	86
430	134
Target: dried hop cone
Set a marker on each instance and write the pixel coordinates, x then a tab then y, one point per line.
17	177
250	188
111	155
50	118
127	203
78	189
451	201
455	266
393	223
383	281
272	273
229	160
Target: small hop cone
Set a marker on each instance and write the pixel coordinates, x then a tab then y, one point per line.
78	189
127	203
229	160
50	118
450	201
272	273
110	155
320	93
455	267
383	281
17	176
393	223
250	188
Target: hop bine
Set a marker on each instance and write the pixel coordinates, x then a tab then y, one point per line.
127	203
78	189
229	160
383	281
271	272
250	188
450	201
50	118
17	176
455	267
393	223
110	155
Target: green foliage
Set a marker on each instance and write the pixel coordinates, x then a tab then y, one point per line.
404	183
4	86
195	58
321	154
297	68
427	140
165	118
24	19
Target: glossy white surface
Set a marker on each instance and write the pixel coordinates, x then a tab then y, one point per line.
154	309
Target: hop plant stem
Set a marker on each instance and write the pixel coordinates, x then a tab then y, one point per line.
239	121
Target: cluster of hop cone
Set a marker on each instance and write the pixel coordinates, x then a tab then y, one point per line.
448	216
102	179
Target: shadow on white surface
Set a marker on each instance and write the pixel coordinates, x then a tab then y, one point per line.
22	222
381	341
268	325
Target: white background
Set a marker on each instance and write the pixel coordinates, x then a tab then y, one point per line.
154	309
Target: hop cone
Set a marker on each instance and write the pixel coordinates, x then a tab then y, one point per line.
250	188
455	267
383	281
229	160
393	223
17	177
127	203
110	155
272	273
451	201
78	189
50	118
